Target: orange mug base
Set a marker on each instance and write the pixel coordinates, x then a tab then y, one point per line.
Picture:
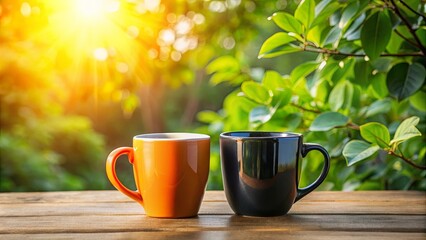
173	217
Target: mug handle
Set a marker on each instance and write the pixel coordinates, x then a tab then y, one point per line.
307	147
112	175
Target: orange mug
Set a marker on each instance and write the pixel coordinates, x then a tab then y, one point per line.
170	171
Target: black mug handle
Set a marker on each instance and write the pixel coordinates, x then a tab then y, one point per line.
307	147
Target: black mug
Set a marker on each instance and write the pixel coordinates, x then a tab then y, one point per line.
260	171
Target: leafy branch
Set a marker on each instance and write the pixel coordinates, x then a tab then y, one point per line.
408	25
412	10
336	52
409	161
376	136
379	138
305	109
405	38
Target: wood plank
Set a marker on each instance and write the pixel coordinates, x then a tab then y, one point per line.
115	196
131	223
251	235
212	208
83	196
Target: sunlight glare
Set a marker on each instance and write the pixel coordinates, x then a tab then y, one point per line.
25	9
95	9
89	9
100	54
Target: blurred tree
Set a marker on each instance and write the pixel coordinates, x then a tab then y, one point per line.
63	59
41	148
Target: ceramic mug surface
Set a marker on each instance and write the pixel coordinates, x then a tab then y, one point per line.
170	172
260	171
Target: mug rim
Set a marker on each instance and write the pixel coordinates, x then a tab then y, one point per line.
273	135
171	136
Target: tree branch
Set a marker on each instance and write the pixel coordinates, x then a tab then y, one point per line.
305	109
406	39
410	28
412	10
336	52
409	161
352	125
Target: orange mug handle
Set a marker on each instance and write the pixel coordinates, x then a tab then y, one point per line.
112	175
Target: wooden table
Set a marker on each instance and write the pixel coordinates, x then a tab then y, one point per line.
111	215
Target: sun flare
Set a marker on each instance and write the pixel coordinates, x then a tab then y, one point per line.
106	46
92	37
92	10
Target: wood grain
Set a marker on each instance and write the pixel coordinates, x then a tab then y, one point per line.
220	235
111	215
128	223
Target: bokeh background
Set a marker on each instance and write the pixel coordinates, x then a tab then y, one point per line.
80	78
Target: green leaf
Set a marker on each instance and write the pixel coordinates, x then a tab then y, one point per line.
348	14
305	12
413	4
292	121
406	130
375	133
326	72
379	107
315	34
342	71
278	44
378	84
208	116
273	80
221	64
226	76
321	90
375	34
341	96
357	150
418	101
287	22
256	92
421	33
362	71
395	42
275	83
260	115
353	32
282	97
322	5
356	98
405	79
333	36
328	120
303	70
321	15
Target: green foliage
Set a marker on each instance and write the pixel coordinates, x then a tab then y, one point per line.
278	44
67	155
362	98
375	133
406	130
41	147
405	79
256	92
336	71
328	120
375	34
357	150
378	135
287	22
